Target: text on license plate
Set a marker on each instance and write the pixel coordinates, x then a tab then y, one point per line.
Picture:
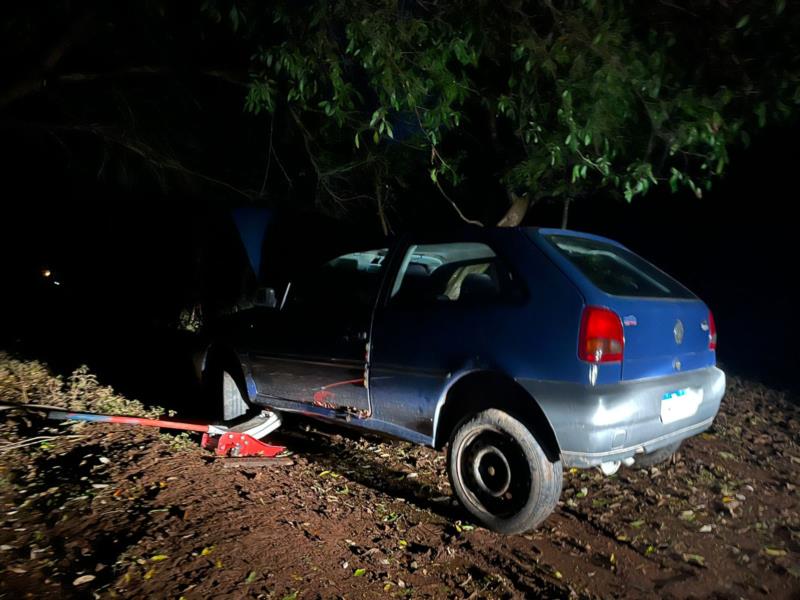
680	404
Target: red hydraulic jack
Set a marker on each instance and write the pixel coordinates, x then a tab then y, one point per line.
239	441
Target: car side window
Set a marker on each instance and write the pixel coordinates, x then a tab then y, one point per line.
458	273
349	280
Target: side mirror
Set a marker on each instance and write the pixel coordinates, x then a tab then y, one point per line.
266	298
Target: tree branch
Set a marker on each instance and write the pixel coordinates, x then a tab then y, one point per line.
151	155
227	75
435	155
323	176
37	78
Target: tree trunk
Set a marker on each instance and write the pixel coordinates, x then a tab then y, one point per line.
379	197
516	212
565	213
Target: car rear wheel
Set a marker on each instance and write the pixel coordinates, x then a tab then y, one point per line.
500	473
655	458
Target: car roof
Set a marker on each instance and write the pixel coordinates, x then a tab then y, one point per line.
548	231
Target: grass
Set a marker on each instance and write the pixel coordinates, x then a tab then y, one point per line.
31	382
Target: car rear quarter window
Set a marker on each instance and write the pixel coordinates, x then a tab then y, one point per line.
618	271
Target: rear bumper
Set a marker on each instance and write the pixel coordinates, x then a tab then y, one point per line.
608	423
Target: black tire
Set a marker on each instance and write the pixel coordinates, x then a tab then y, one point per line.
656	458
500	473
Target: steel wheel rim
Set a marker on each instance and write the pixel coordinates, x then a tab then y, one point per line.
491	471
502	493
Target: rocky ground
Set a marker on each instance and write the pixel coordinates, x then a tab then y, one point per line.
108	511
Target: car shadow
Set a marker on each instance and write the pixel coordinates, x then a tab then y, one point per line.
333	449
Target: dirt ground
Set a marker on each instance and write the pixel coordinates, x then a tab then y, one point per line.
107	511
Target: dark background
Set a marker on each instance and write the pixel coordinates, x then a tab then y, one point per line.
132	244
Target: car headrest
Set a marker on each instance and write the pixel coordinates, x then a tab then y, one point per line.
416	270
477	286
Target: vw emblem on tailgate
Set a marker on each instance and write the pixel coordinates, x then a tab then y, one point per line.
678	332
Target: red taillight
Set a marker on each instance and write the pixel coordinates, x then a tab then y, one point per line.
601	339
712	332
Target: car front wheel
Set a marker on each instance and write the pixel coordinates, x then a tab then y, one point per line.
500	473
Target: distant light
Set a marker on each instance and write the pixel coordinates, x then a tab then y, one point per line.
56	283
46	272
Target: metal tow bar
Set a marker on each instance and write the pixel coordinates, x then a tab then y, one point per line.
239	441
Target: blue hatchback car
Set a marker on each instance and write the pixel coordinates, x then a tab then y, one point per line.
523	351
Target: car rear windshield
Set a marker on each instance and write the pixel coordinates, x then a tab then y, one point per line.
618	271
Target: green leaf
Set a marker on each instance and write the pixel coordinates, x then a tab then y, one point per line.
743	22
637	524
375	116
359	572
251	577
761	113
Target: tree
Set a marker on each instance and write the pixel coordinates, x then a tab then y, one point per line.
566	97
493	105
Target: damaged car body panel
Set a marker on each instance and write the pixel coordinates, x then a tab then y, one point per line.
599	355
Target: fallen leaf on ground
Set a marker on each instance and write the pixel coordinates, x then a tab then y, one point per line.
83	579
695	559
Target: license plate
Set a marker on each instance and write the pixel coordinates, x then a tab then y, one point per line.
680	404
